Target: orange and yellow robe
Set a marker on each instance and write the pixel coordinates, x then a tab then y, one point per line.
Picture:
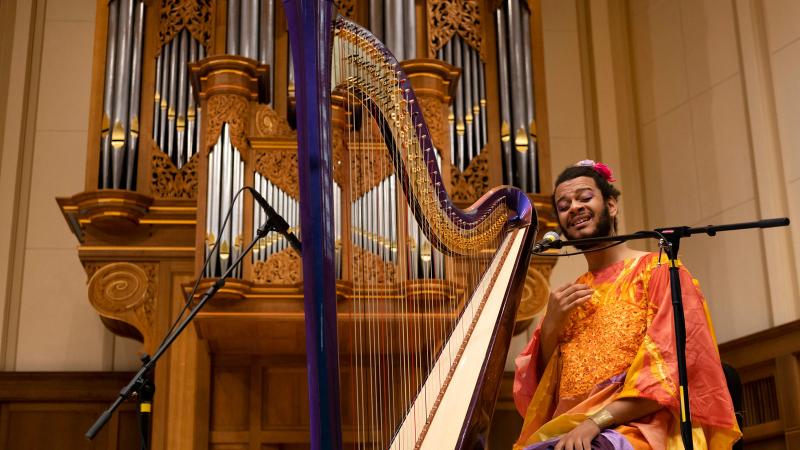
621	344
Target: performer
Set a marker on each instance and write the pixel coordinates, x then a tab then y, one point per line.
600	370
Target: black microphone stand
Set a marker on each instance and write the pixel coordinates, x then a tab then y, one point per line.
669	240
139	382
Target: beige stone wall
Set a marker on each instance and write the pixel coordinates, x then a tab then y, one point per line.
695	104
47	322
709	90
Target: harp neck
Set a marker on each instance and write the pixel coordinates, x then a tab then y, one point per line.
310	35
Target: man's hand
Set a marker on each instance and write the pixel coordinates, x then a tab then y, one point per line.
565	299
580	438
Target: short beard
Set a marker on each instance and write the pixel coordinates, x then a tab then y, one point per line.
603	230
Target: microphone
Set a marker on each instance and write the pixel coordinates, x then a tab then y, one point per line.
275	221
549	240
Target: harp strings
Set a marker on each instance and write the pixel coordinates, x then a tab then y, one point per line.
406	295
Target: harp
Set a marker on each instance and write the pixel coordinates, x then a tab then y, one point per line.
428	292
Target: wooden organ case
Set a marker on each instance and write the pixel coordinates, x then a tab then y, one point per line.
193	100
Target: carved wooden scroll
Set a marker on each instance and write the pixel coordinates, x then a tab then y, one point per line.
126	292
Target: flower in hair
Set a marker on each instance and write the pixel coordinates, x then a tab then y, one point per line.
602	169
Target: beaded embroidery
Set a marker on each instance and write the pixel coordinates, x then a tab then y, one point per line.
602	336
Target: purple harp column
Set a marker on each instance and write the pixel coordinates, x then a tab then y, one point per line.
310	35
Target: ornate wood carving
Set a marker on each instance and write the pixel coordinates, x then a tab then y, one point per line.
448	17
339	151
346	8
169	183
435	112
280	167
197	16
231	109
369	165
376	270
126	292
473	182
269	124
283	267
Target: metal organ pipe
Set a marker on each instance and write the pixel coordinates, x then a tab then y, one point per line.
191	111
466	89
136	84
226	173
376	19
482	96
410	21
162	111
459	109
108	92
201	54
238	230
119	137
248	46
119	118
467	118
157	102
266	49
214	184
519	126
448	57
232	42
180	121
533	176
476	102
396	32
505	106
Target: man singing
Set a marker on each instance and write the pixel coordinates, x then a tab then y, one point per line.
600	371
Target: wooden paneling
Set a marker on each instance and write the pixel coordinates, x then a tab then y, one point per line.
46	410
768	365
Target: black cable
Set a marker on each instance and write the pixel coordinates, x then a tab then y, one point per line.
207	259
554	255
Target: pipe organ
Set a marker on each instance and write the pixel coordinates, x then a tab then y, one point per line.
176	117
123	75
195	100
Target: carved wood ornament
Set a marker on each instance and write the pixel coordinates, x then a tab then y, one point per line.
169	183
434	110
448	17
369	165
473	182
197	16
346	8
231	109
283	267
268	123
280	167
339	153
126	292
375	269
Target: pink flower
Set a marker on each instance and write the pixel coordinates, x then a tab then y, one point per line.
604	172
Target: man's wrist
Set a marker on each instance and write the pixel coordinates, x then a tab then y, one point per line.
603	419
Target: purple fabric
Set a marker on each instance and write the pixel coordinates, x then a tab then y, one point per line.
606	440
618	378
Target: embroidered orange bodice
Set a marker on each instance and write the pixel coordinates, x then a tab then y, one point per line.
602	336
